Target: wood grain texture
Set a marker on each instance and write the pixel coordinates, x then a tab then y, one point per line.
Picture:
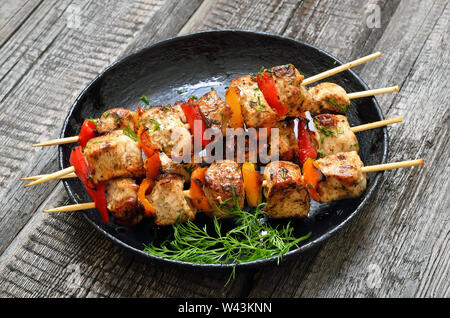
54	54
398	246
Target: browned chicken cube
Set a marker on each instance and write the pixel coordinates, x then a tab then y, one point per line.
333	135
256	112
116	118
169	201
290	91
113	155
223	179
167	128
343	177
169	166
122	201
329	98
284	191
215	111
287	145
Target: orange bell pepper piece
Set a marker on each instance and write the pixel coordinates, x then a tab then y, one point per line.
145	187
196	193
311	177
233	99
252	184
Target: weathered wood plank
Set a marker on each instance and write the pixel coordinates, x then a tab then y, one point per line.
44	66
13	14
398	246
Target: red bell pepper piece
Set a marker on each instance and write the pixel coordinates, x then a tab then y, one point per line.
193	113
88	131
305	143
266	84
96	192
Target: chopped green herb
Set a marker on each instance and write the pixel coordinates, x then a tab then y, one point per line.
116	118
106	114
194	97
340	131
95	122
181	91
128	132
291	82
326	131
355	145
153	125
334	103
145	100
261	109
321	153
284	173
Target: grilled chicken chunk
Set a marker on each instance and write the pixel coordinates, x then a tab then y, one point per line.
116	118
342	177
122	201
256	112
329	98
168	199
287	144
284	191
333	135
113	155
222	178
215	111
168	166
290	91
167	128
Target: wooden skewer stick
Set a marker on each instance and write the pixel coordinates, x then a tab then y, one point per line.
393	165
341	68
67	176
61	141
376	124
373	92
73	207
87	206
52	176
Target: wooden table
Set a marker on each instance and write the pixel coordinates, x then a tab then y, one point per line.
397	247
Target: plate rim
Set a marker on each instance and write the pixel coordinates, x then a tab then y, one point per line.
274	260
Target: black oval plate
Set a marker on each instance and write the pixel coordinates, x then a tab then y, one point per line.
177	68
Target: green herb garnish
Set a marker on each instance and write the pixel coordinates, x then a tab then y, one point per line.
249	240
334	103
95	122
153	125
106	114
326	131
130	133
321	153
145	100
